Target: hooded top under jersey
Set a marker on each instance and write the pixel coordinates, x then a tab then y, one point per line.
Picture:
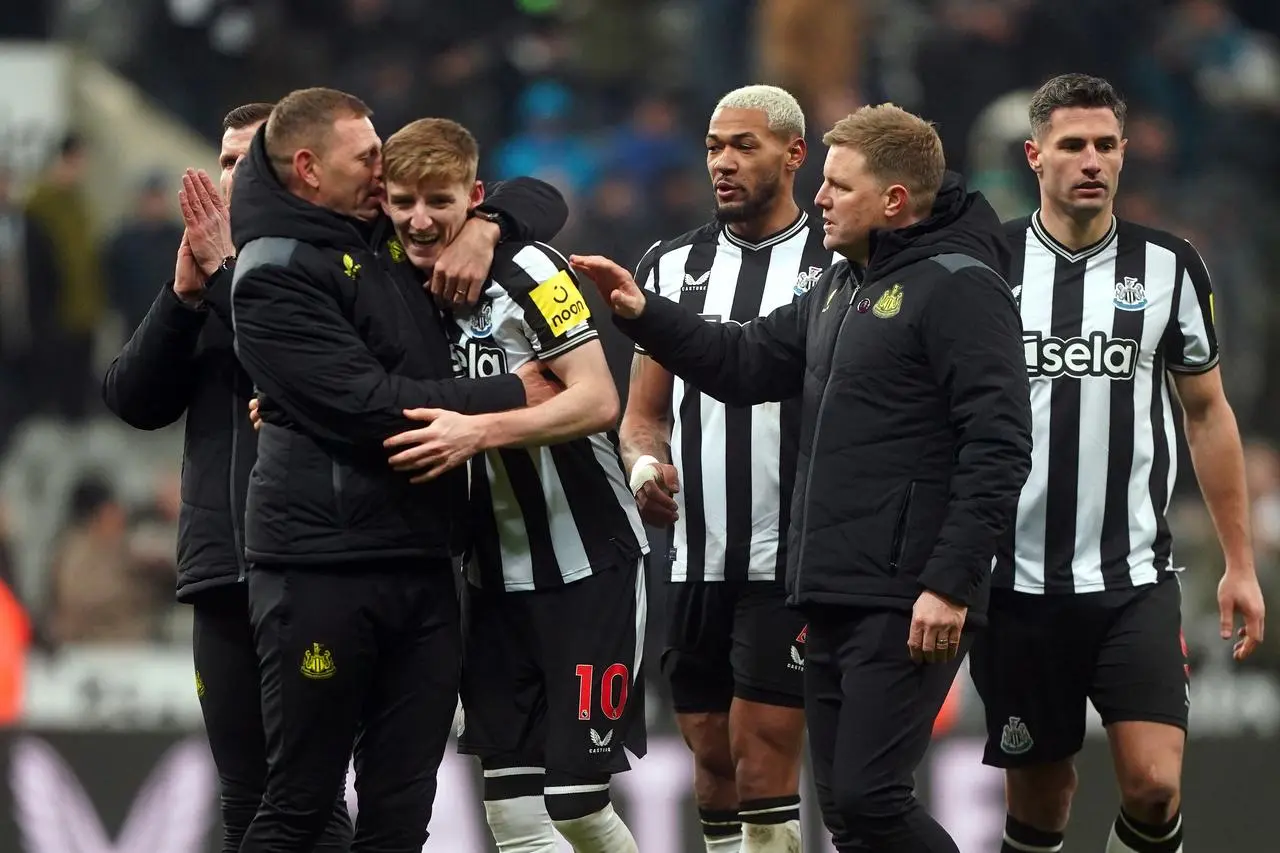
336	332
916	425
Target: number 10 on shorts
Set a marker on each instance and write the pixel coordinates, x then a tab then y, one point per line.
614	685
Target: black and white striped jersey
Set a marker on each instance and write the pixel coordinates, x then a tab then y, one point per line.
1101	329
736	464
541	517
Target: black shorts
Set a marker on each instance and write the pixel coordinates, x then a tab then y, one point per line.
1042	656
733	638
553	678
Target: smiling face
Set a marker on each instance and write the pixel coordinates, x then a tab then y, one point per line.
430	166
428	217
1077	157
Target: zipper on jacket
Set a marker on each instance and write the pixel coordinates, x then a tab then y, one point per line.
237	514
813	444
900	528
338	481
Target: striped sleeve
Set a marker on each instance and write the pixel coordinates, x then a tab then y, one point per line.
1191	342
646	276
554	315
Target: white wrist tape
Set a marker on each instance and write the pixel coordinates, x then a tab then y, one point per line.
646	469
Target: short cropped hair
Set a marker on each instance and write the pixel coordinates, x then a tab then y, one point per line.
786	119
304	118
246	115
899	147
1073	90
430	148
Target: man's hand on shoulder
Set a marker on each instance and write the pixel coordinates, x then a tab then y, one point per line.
615	284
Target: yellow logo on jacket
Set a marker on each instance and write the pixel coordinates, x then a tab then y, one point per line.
317	663
350	267
889	303
395	249
560	303
830	297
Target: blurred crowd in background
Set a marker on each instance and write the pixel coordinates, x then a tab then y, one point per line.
608	100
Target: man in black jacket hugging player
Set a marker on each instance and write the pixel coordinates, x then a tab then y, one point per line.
180	361
915	442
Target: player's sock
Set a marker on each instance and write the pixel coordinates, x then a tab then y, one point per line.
599	832
771	825
1129	835
1021	838
721	830
581	811
515	811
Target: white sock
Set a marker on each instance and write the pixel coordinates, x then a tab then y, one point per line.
520	825
1146	842
771	838
598	832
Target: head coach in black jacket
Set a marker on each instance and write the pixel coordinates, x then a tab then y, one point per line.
180	360
915	442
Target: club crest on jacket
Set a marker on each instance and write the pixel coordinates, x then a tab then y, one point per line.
889	303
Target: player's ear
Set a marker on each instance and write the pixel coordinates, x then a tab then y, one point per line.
477	195
797	153
1033	156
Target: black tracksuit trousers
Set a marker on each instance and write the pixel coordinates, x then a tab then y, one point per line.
870	712
362	657
230	700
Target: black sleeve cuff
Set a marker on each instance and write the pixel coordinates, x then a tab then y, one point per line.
217	294
179	313
654	324
496	394
529	209
500	218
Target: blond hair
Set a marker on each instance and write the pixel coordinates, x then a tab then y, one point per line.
899	147
430	148
786	119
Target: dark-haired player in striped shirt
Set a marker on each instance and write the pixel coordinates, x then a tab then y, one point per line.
1085	603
